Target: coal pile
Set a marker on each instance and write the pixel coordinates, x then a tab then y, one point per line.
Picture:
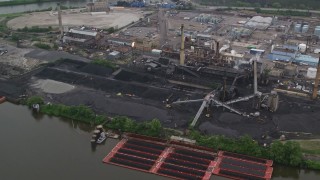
126	75
212	129
96	70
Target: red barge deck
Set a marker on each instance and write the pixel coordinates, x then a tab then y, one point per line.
2	99
184	161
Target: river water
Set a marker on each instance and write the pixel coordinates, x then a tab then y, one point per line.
43	147
40	6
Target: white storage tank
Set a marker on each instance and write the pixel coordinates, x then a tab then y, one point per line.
305	28
316	51
297	28
317	31
302	48
156	51
312	72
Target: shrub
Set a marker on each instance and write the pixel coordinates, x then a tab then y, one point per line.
42	46
104	63
34	100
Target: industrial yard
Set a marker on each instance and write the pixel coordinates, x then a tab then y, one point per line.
218	50
230	73
118	18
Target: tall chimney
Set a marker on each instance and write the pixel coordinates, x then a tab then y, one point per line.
182	55
217	49
316	82
60	20
255	78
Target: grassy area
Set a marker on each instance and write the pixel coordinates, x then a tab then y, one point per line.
105	63
21	2
284	13
78	113
42	46
309	146
4	29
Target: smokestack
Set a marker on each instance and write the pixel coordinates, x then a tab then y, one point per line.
60	20
182	55
217	49
316	82
255	78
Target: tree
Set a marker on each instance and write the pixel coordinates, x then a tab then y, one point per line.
153	128
276	5
258	10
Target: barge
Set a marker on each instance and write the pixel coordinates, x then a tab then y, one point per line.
185	161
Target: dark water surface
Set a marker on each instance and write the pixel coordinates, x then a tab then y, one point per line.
45	148
40	6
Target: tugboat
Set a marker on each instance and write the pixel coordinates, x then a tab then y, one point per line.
36	108
99	136
2	99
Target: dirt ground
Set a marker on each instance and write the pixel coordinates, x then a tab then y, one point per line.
118	18
16	57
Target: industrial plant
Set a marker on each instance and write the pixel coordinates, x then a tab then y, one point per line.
229	73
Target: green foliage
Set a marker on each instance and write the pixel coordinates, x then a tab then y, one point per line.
35	29
288	153
312	164
307	4
34	100
125	124
20	2
110	30
285	13
79	113
257	9
215	85
42	46
276	5
105	63
55	46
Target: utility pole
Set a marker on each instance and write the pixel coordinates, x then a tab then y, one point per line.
60	20
316	82
182	55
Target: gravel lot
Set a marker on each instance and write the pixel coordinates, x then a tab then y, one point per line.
118	18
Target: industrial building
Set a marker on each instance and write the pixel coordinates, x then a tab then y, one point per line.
80	36
98	6
290	53
118	41
259	22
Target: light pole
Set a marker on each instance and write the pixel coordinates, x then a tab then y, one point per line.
132	46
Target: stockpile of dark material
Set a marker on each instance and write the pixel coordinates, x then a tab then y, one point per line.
12	89
126	75
297	115
186	164
104	84
96	70
6	71
80	66
138	154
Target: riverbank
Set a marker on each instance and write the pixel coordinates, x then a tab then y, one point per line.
288	153
65	144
